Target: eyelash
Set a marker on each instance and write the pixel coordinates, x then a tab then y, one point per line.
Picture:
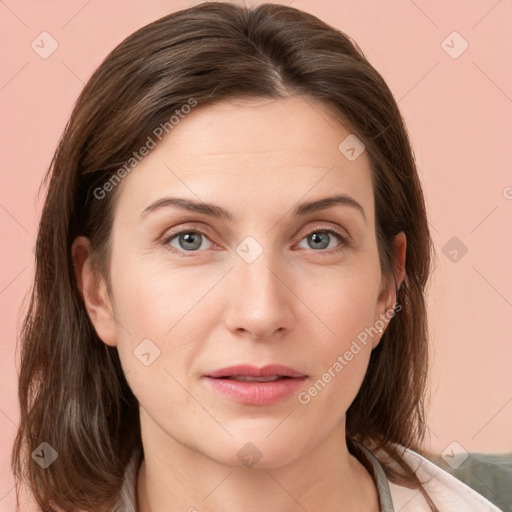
346	241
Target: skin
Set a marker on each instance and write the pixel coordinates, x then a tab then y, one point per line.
297	304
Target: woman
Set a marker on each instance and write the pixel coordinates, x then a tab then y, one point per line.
229	308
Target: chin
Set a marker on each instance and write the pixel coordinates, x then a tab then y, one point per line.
256	452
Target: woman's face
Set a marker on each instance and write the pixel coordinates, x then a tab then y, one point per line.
268	281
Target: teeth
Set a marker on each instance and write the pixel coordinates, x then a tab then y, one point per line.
247	378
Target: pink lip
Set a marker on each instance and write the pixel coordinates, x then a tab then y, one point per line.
256	393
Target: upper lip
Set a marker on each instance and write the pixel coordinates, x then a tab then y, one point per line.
253	371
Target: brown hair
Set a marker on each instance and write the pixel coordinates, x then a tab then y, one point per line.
72	390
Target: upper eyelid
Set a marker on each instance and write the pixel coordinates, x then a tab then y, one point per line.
170	234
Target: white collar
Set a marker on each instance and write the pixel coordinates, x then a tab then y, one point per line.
447	492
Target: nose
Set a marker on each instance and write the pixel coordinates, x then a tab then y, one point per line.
261	301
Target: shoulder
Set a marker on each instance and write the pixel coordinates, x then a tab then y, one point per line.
448	492
488	474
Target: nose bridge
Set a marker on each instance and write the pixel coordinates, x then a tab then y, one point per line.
260	301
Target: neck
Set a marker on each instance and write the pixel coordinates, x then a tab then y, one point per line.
174	477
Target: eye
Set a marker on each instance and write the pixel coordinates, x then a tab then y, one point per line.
188	240
195	240
322	238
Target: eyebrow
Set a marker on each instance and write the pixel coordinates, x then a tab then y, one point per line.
220	213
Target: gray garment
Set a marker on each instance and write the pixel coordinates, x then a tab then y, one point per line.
366	457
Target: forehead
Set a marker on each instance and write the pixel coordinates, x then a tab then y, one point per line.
258	149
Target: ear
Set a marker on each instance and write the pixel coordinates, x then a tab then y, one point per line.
388	292
94	292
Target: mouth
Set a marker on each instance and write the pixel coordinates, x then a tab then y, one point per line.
256	386
270	372
247	378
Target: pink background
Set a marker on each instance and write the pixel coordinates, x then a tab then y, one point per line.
458	112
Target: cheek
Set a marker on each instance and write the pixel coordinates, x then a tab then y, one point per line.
158	344
161	323
344	302
152	297
344	313
341	360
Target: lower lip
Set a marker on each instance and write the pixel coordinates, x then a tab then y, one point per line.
257	393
